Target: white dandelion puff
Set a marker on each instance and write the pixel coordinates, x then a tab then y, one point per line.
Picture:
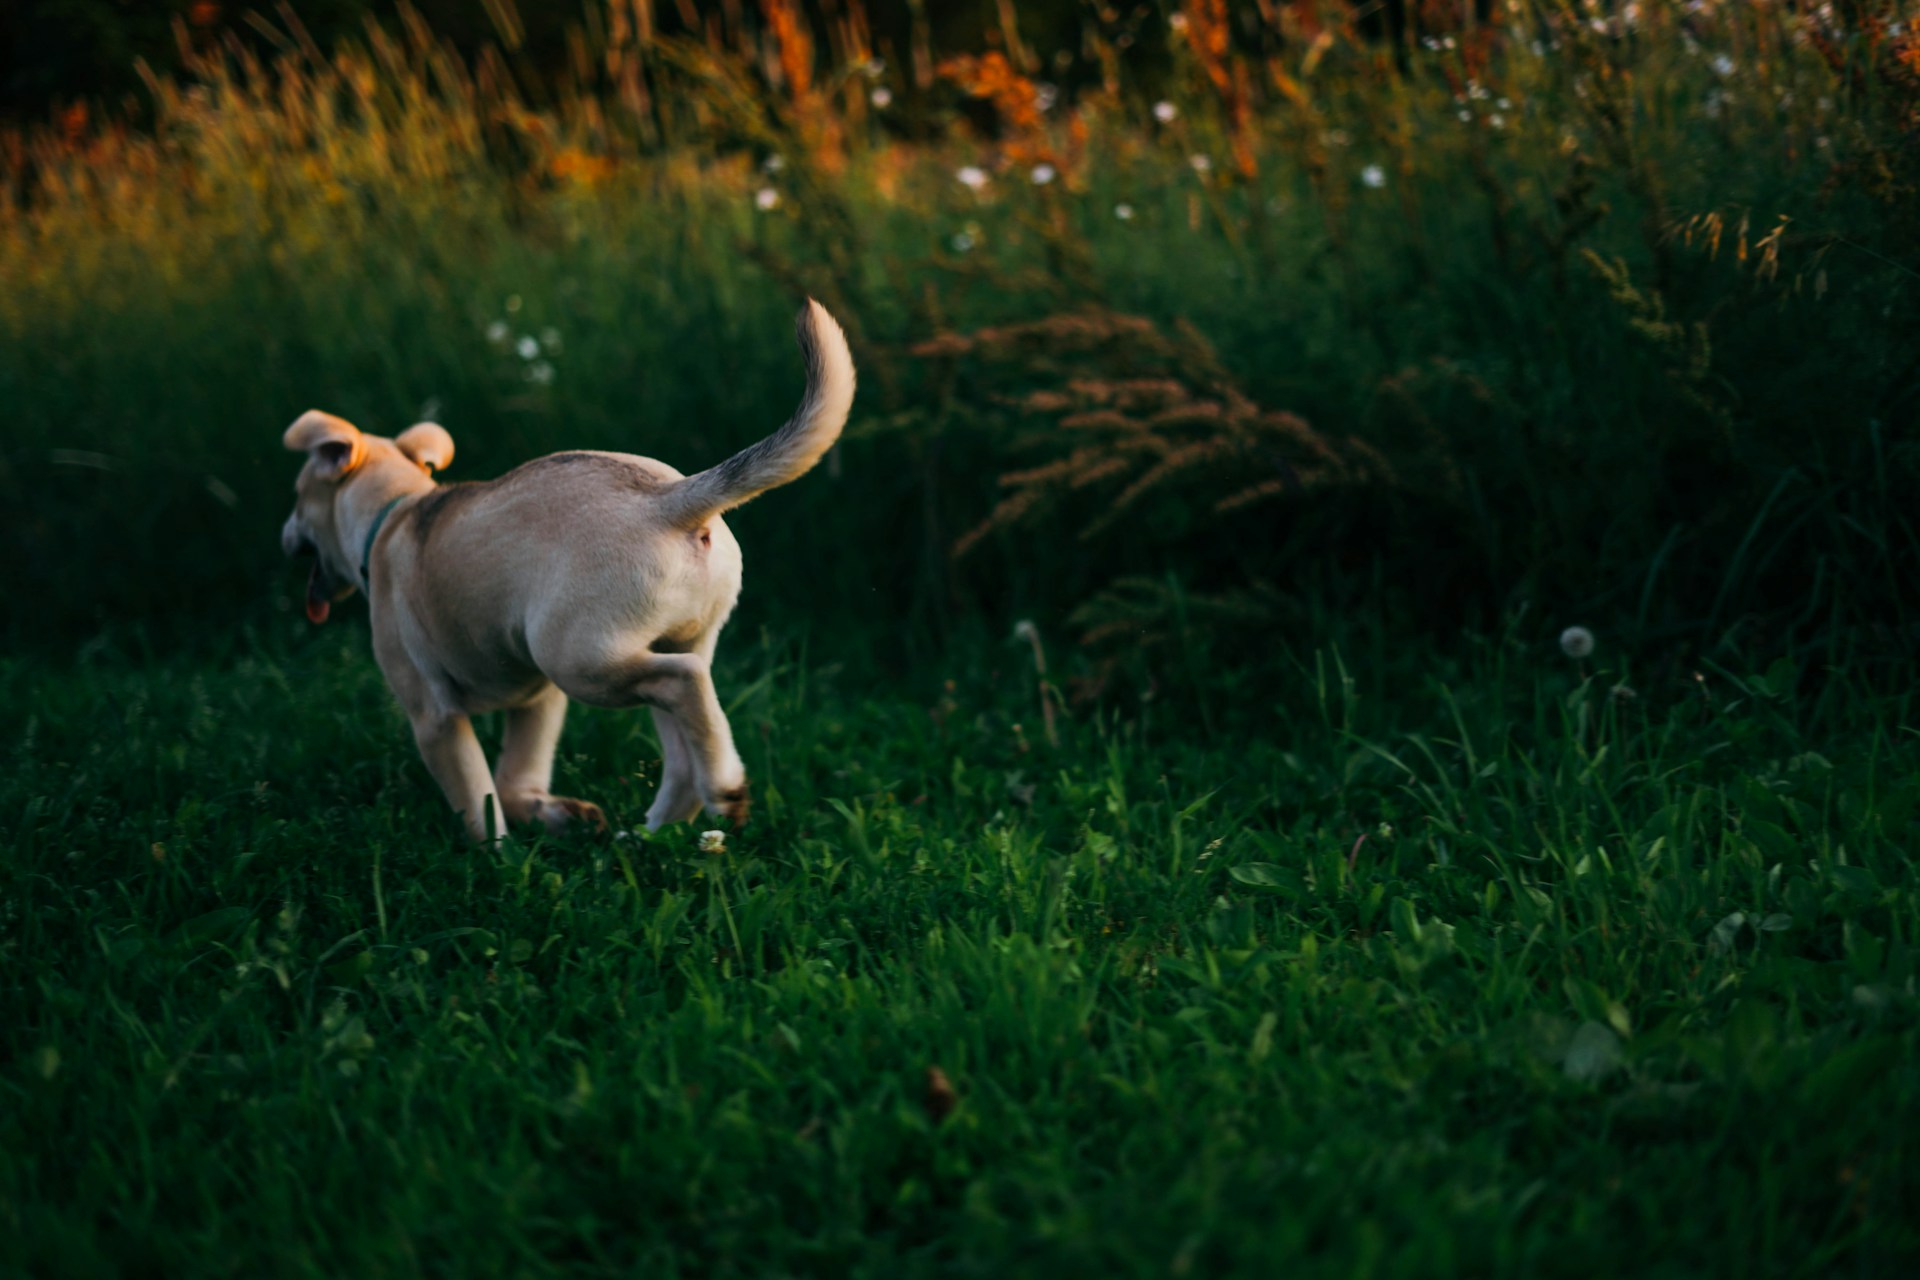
527	348
1374	176
1165	112
1576	642
766	198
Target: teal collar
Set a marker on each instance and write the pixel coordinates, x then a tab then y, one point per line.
366	548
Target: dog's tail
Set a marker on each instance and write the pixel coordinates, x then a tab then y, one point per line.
788	453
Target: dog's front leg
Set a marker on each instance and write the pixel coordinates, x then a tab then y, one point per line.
453	756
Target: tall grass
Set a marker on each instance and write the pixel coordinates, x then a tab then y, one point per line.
1622	300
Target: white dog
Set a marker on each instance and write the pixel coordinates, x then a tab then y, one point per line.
599	576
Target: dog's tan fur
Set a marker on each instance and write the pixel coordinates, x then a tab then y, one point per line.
599	576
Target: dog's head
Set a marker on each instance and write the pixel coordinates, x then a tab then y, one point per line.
347	477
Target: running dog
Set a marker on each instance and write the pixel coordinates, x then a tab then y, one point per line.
599	576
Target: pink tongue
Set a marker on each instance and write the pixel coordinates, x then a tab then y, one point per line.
317	604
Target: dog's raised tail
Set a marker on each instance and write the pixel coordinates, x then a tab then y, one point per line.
788	453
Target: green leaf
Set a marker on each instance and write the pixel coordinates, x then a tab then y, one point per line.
1726	933
1406	925
1265	875
1771	840
1594	1054
352	969
213	924
1857	881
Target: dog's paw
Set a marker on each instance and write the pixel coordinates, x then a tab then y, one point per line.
558	813
733	804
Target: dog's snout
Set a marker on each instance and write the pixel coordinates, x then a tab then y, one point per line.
293	539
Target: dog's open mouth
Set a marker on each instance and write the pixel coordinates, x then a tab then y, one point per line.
322	592
319	599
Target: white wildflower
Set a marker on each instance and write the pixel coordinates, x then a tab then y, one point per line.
713	841
1200	163
540	373
1374	176
1043	174
881	97
1045	95
1124	212
526	348
972	177
1165	112
1722	65
962	242
1497	120
774	163
1576	642
498	332
766	198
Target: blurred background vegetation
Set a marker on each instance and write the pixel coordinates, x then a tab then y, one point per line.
1180	325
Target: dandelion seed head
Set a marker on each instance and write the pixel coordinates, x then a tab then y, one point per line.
1165	112
1576	642
527	348
766	198
1374	176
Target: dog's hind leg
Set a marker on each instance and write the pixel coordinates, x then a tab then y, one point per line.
679	684
453	756
524	771
679	796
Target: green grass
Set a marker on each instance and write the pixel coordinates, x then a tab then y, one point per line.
1610	986
1343	931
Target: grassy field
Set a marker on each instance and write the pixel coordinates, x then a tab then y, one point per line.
1424	967
1330	921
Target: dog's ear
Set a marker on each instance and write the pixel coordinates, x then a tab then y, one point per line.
335	443
428	444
